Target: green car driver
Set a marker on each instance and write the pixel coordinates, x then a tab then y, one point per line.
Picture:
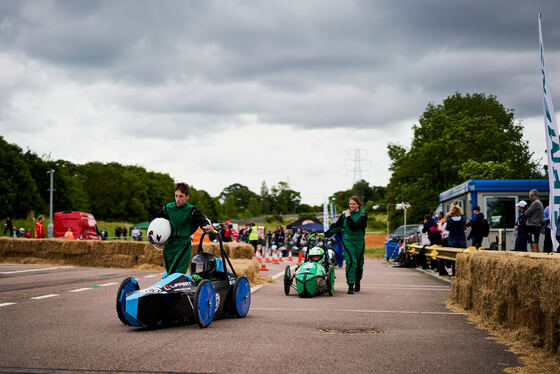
184	219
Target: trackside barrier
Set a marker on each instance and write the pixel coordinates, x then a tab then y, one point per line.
445	253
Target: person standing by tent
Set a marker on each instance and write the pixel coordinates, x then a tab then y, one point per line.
40	229
354	223
184	220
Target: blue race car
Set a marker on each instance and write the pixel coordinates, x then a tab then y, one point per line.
211	291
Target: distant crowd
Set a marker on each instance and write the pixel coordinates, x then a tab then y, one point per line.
449	230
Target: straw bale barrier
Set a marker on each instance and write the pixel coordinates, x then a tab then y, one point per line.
516	292
117	254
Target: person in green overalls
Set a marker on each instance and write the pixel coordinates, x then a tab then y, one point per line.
353	222
184	219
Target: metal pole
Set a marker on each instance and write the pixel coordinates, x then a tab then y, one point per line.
388	217
51	225
404	236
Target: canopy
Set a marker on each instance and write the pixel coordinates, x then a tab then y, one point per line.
303	221
142	225
310	227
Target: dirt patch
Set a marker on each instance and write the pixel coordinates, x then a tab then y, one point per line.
375	240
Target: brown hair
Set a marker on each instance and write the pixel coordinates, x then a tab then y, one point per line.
356	199
183	187
456	211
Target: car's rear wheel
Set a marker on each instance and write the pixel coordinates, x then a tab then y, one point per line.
128	286
205	303
287	280
241	296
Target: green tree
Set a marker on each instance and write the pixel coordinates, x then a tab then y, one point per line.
241	195
18	191
285	199
463	128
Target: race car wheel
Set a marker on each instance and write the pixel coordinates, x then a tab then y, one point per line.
241	296
204	303
127	286
330	281
287	280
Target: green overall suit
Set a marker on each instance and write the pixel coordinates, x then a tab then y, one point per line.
177	249
354	243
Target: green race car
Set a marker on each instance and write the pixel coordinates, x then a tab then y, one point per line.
313	277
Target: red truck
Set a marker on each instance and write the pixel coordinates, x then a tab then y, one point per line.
83	225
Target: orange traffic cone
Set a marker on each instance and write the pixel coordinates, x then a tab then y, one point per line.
300	256
290	256
258	255
275	257
280	256
264	259
267	256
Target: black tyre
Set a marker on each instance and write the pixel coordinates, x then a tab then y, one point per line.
287	280
204	303
241	297
128	286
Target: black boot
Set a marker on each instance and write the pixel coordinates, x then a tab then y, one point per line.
351	289
357	287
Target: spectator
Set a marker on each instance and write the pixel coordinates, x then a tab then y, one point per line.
8	226
28	234
477	227
135	233
69	235
39	228
124	231
431	228
118	232
14	233
441	227
535	215
521	228
279	236
226	233
254	235
456	227
104	234
21	232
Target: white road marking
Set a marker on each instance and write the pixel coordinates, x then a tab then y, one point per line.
401	285
437	276
151	275
276	276
107	284
81	289
356	311
30	270
44	296
404	288
6	304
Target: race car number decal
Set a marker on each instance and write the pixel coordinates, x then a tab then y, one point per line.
217	302
152	290
309	266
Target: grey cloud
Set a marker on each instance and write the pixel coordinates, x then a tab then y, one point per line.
313	64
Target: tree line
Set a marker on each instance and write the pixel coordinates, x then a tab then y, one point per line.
115	192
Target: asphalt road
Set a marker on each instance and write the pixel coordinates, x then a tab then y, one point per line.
63	320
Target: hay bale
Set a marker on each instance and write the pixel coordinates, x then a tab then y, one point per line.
117	254
517	292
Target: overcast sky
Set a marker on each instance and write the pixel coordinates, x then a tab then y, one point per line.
218	92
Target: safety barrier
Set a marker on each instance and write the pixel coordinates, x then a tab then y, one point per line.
445	253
